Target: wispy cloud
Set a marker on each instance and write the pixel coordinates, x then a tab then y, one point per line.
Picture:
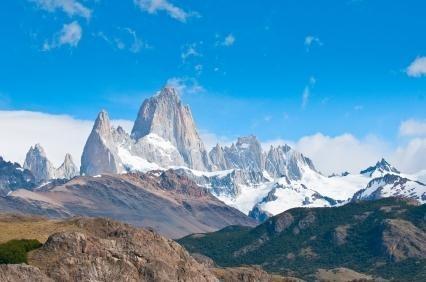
311	40
190	50
70	7
417	68
155	6
127	39
70	34
307	91
185	85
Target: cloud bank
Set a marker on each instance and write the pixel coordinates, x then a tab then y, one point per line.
58	134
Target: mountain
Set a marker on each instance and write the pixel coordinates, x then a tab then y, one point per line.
384	238
381	167
13	177
164	200
392	185
163	135
166	116
37	162
242	175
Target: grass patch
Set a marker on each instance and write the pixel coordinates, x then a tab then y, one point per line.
15	251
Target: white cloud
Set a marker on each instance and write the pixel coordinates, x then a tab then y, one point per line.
211	139
411	157
154	6
412	127
310	40
185	85
339	153
229	40
58	134
190	50
307	91
126	39
70	7
70	34
417	68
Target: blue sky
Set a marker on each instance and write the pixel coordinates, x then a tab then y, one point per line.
276	69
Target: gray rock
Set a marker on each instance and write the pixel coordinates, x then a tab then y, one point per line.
166	116
100	154
284	161
13	176
37	162
245	154
68	169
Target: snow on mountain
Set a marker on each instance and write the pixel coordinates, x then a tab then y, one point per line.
382	167
242	175
392	185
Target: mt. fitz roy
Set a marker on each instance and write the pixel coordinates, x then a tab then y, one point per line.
164	136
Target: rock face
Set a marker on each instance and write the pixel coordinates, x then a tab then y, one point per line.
284	161
37	162
245	154
100	154
111	251
13	176
22	273
165	116
68	169
168	202
402	240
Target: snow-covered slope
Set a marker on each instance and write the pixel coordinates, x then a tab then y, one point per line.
392	185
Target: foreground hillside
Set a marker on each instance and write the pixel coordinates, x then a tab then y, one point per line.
165	201
384	238
83	249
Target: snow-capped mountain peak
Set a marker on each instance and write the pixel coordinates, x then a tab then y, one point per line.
382	167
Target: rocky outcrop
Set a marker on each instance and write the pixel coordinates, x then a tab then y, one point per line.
22	273
245	154
110	251
13	176
37	162
68	169
100	154
166	116
243	274
401	239
284	161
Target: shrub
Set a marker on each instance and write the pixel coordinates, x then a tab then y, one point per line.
15	251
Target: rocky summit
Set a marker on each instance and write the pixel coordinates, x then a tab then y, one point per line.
37	162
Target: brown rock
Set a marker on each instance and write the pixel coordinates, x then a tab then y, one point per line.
111	251
401	240
21	273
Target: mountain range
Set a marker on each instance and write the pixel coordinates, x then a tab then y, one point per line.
258	183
